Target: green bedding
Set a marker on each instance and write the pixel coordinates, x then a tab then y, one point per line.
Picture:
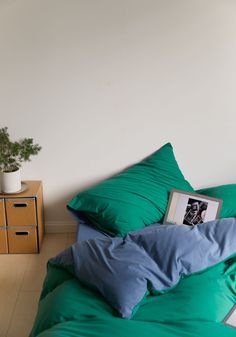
196	307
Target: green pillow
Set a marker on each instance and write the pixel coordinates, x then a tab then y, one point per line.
225	192
136	197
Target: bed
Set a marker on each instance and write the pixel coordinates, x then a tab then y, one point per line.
89	286
197	306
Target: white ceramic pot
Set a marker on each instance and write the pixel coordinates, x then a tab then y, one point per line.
10	181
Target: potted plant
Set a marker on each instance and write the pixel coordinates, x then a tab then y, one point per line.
12	154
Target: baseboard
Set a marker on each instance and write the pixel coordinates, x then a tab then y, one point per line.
60	227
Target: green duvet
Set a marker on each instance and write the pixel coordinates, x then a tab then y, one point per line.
196	307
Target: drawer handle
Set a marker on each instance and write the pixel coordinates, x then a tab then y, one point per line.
22	233
20	205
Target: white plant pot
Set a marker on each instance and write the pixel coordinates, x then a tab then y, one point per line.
10	181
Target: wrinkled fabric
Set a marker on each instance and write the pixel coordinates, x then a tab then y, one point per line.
153	259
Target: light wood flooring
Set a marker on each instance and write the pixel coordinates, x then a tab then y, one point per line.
21	278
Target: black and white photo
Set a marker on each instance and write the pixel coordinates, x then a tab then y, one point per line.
195	212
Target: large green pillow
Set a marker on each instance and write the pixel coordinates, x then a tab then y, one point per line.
136	197
225	192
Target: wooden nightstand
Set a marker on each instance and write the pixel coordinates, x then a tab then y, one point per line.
21	220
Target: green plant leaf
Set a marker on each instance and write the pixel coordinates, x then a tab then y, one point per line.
12	154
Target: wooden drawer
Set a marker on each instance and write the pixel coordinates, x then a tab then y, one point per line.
21	212
21	220
22	239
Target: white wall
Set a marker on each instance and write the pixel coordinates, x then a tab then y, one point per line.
101	84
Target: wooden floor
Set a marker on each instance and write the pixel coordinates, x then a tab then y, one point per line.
21	278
